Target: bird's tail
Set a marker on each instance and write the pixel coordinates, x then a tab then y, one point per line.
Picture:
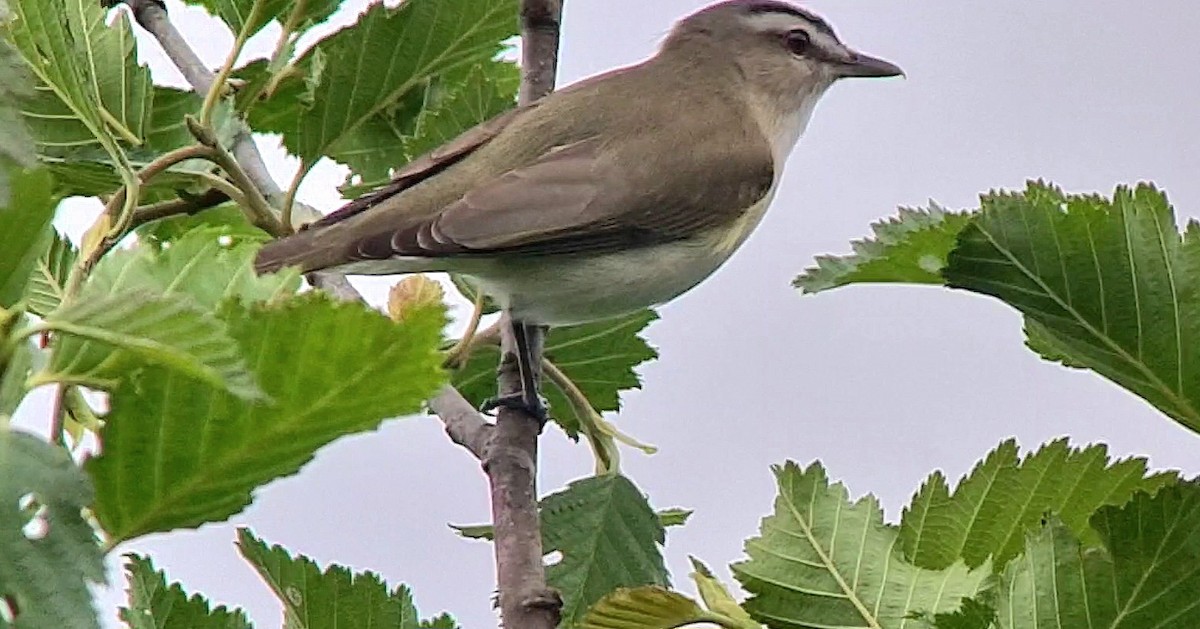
303	249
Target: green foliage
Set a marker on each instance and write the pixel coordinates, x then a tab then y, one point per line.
421	122
103	337
320	362
153	604
598	357
989	512
379	61
609	538
16	147
649	607
1142	575
25	224
314	599
1106	285
14	377
44	292
241	15
203	264
910	248
48	552
824	561
1110	283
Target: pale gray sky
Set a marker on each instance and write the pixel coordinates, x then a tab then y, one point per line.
883	384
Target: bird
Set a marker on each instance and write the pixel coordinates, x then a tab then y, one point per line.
614	194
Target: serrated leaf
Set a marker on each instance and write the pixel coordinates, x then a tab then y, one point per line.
666	518
335	597
609	538
238	13
1111	282
974	614
989	512
153	604
331	369
717	598
103	336
387	53
226	219
1144	575
16	145
425	119
53	36
44	291
598	357
442	621
14	377
50	553
204	264
644	608
824	561
24	222
909	248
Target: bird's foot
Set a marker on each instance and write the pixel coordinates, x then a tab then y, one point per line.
534	406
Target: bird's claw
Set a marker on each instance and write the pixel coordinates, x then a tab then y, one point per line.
535	407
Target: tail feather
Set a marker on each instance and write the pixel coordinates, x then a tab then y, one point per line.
302	249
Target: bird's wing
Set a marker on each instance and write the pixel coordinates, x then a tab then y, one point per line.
425	166
583	198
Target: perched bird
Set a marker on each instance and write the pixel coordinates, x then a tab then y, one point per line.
616	193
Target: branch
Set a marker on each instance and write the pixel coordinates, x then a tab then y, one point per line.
511	461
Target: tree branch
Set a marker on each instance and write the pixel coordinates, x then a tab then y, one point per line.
511	459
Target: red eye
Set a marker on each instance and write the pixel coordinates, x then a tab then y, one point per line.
797	41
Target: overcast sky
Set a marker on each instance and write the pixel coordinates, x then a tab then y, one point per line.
883	384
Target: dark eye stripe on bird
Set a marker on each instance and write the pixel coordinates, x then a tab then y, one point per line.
771	6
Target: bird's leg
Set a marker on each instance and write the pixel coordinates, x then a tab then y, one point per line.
528	398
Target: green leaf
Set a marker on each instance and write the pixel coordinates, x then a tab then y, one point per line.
910	248
44	292
598	357
16	146
101	335
313	599
609	538
332	369
666	517
442	621
426	119
226	219
989	512
387	53
1145	574
974	614
25	226
50	553
823	561
237	13
205	264
1111	285
56	38
14	377
717	597
644	608
153	604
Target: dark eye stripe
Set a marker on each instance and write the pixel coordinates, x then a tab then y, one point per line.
770	6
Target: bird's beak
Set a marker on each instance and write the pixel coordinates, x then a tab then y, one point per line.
860	65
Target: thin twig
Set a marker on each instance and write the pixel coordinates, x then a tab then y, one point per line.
178	207
257	209
511	462
217	89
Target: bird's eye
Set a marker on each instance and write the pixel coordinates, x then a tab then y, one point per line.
797	41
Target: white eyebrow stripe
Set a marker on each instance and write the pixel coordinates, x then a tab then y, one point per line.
777	22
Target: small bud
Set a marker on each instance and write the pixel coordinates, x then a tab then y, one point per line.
414	292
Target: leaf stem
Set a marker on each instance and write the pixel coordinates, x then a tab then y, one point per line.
117	217
289	199
217	89
258	211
